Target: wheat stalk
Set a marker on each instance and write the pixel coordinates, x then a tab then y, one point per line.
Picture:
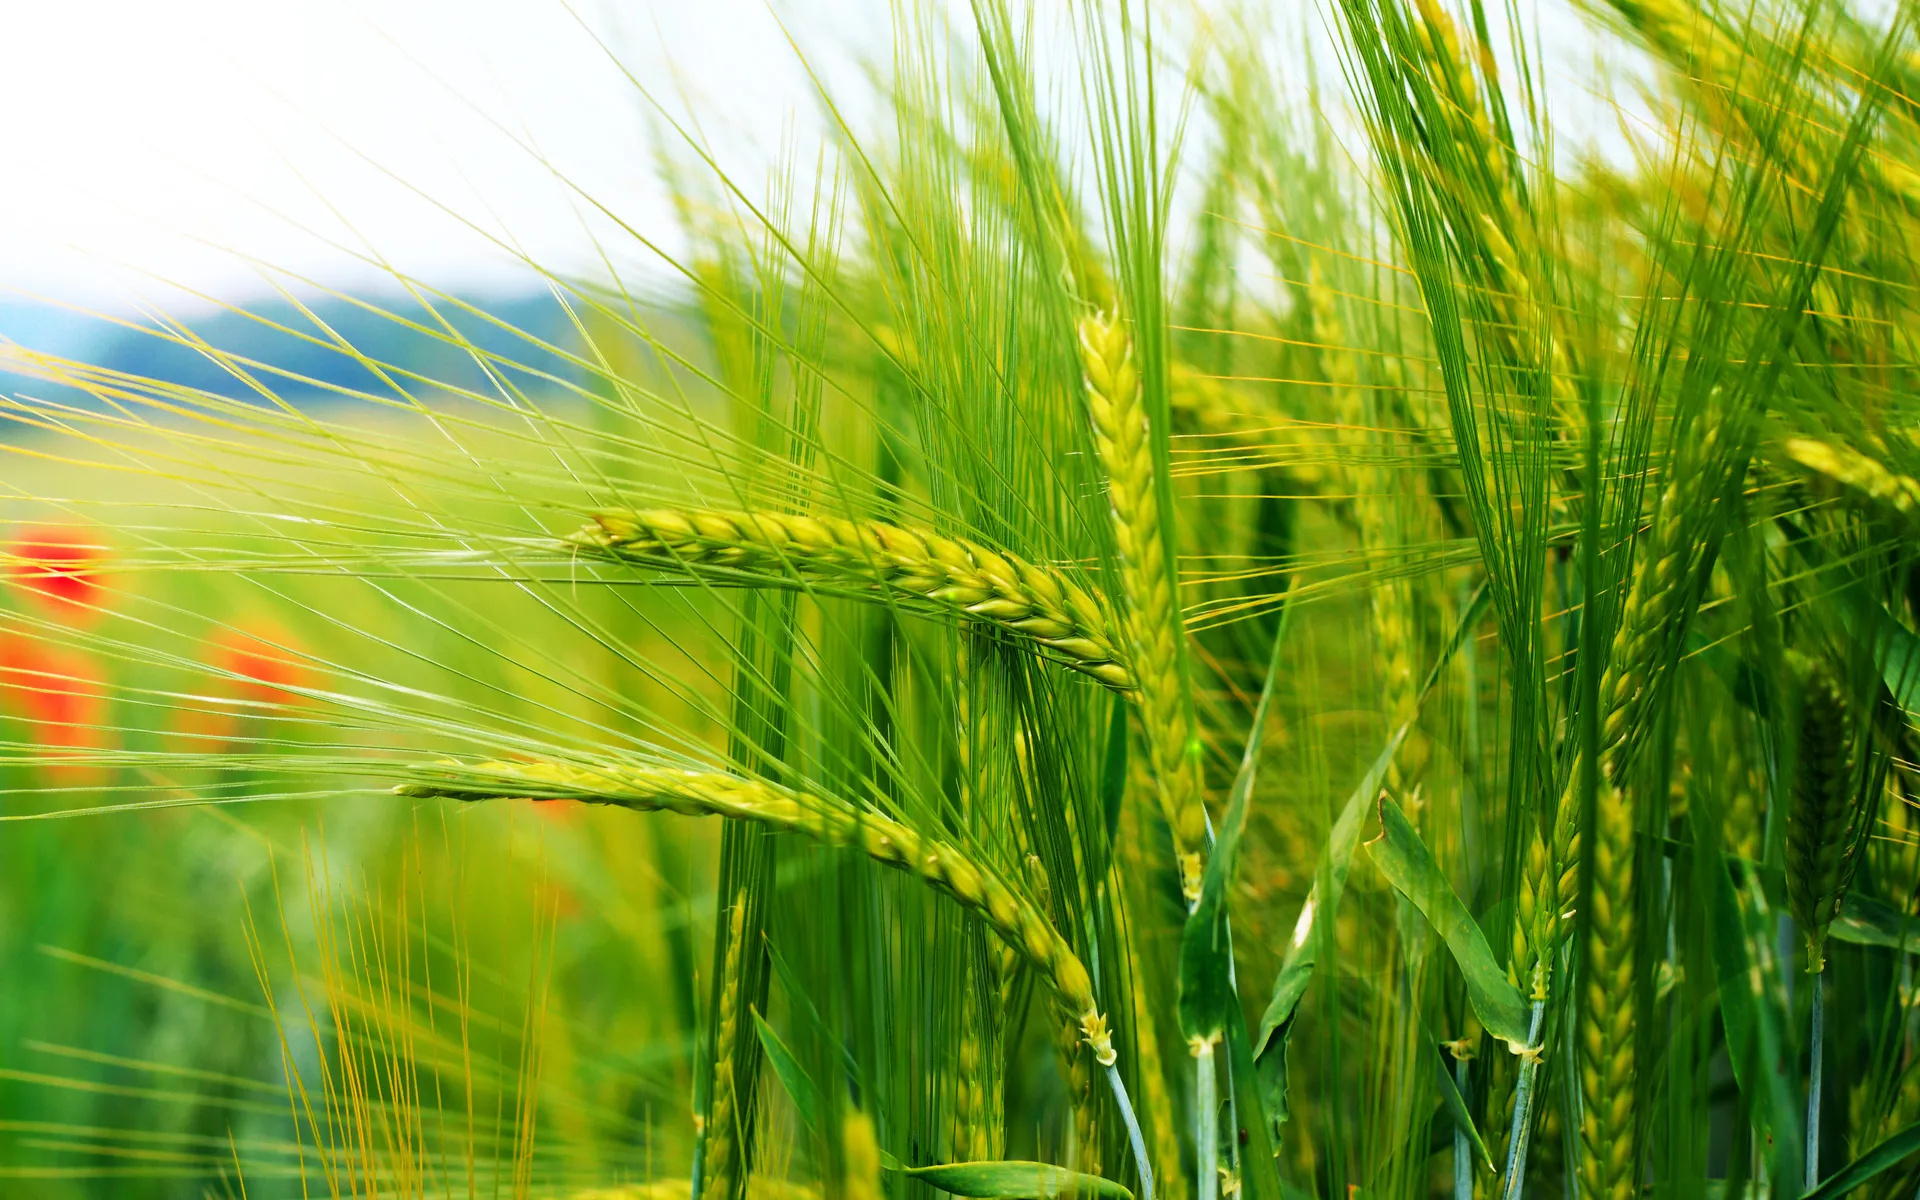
1077	1072
976	1124
1819	857
928	570
1609	1161
1819	837
1647	620
1819	830
1376	520
721	1136
1162	1128
1122	436
1657	597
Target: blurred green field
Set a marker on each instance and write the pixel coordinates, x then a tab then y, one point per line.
170	964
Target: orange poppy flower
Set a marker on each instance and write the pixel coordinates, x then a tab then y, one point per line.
59	691
61	568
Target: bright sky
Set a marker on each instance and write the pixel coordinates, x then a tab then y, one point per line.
178	140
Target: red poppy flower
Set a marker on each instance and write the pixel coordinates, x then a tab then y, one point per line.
59	691
61	568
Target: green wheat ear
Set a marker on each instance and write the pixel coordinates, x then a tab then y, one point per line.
1858	480
722	1138
711	793
1820	833
1609	1164
1123	437
918	568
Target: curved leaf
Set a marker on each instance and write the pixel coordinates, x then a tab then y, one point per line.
1755	1026
793	1077
1323	899
1016	1181
1206	967
1404	859
1865	921
1890	1153
1330	881
1457	1105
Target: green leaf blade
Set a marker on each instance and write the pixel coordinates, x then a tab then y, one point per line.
793	1077
1206	967
1016	1181
1885	1156
1404	859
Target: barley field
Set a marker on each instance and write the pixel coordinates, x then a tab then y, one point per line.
1213	621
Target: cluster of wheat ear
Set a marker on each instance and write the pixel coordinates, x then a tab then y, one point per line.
1419	629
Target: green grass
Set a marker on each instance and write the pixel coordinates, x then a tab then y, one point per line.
1544	484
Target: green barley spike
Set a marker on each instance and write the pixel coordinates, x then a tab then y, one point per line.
1819	834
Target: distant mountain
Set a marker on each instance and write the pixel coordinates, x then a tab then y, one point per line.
303	360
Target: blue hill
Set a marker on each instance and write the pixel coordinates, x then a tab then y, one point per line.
302	361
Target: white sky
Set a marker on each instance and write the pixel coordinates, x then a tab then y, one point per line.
178	139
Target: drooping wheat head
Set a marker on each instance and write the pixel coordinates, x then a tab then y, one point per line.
1859	481
888	842
1531	334
916	568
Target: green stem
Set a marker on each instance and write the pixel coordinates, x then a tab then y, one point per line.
1462	1151
1134	1135
1523	1110
1205	1127
1816	1064
1233	986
